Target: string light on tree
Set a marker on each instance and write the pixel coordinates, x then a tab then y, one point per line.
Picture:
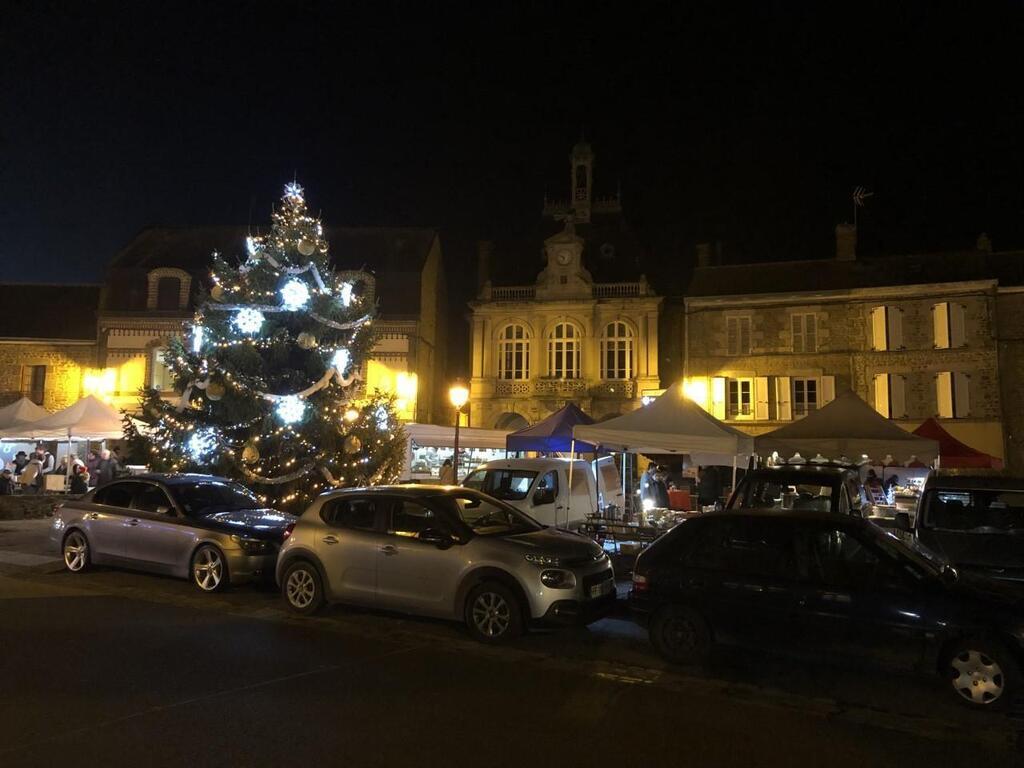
202	443
197	339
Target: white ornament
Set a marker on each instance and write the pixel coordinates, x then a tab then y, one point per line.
382	418
201	443
340	360
346	294
252	245
291	409
249	320
294	295
197	338
306	246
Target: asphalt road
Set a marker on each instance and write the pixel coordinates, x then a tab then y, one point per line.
118	668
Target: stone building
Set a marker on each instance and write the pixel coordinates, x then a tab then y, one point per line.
121	328
916	335
586	330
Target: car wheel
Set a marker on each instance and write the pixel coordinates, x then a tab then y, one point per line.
982	673
302	588
493	613
209	569
680	635
76	552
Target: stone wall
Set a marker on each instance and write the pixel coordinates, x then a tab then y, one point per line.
64	367
1010	330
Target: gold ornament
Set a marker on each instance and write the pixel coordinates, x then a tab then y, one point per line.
217	292
306	340
215	390
307	247
250	453
352	444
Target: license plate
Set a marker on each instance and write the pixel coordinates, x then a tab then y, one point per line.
602	589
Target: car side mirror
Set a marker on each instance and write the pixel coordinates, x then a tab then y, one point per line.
903	521
543	496
439	539
949	574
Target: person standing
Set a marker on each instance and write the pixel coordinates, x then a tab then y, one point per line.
20	460
447	475
709	490
107	468
31	476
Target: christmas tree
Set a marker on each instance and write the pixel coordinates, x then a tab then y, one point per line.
269	374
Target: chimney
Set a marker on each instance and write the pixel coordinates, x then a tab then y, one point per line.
703	254
984	243
846	242
484	250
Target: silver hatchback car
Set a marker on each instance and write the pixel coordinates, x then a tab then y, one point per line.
446	552
205	528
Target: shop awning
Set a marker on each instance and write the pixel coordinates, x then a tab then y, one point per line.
88	419
553	433
952	453
671	424
847	427
444	437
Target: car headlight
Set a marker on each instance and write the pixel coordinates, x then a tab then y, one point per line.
558	579
251	546
542	560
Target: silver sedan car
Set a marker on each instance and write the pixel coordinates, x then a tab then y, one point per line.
208	529
443	551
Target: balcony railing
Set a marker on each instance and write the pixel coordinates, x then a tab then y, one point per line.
565	388
618	290
513	293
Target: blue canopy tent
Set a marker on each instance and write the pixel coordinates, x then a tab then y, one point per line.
552	434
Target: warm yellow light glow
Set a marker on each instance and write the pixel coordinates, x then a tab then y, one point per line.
697	390
100	382
402	384
351	414
458	394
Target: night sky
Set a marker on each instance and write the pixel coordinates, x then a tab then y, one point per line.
748	125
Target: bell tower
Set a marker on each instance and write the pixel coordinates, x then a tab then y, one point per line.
581	181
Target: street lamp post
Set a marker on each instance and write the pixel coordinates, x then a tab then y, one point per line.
458	394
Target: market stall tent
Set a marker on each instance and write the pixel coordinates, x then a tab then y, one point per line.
847	427
672	423
21	413
954	454
444	437
553	433
88	419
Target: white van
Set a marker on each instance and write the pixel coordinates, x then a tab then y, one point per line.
540	488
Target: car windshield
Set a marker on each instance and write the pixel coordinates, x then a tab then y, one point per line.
487	517
505	484
913	550
210	496
808	491
979	511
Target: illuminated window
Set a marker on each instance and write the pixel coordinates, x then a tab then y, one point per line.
617	352
160	376
741	398
514	353
564	352
805	396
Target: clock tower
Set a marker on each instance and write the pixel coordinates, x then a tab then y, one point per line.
564	276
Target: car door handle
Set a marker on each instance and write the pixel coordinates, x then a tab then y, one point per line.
330	539
133	522
389	549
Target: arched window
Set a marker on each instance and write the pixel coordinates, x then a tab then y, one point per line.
617	351
564	352
514	353
168	293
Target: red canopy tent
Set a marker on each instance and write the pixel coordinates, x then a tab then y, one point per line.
952	453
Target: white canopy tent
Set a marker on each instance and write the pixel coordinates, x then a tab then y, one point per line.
88	419
444	436
20	413
847	427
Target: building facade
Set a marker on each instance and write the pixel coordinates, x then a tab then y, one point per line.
917	336
569	336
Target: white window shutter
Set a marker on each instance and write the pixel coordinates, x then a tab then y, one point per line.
811	333
897	396
718	397
957	329
828	390
882	393
783	401
761	398
895	318
940	320
944	394
962	396
878	339
798	332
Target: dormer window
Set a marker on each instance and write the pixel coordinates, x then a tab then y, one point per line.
168	289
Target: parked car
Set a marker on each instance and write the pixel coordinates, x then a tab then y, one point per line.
208	529
452	553
540	488
824	584
821	487
974	519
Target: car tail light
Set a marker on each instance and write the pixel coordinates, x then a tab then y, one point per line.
287	532
640	583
